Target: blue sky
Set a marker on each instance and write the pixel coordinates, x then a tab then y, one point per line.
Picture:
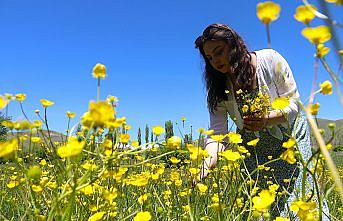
48	49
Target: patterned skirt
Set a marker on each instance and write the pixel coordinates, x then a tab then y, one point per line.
287	176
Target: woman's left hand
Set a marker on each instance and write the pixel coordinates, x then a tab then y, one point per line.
254	123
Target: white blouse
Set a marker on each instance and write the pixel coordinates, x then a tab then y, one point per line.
275	75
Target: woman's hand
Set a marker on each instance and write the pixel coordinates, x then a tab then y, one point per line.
254	123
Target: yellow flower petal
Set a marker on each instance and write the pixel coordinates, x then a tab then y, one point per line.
20	97
99	71
3	102
72	148
304	13
280	103
46	103
268	11
317	35
326	88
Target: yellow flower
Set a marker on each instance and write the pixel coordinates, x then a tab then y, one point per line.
142	216
37	123
124	138
8	147
273	188
280	103
139	179
201	130
194	171
174	142
99	71
70	114
288	156
183	119
268	11
37	188
234	138
42	162
46	103
326	88
135	143
97	216
329	146
35	139
317	35
281	219
305	210
72	148
304	13
230	155
9	96
196	153
112	99
337	2
314	108
20	97
290	143
157	130
142	198
253	142
322	50
89	166
110	194
263	201
202	188
174	160
3	102
218	138
208	132
12	184
242	149
99	114
245	108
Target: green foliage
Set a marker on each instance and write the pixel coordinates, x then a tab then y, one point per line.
3	130
338	148
139	136
146	134
169	129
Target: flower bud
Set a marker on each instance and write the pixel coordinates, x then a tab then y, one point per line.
34	172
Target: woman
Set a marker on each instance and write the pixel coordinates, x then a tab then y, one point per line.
230	68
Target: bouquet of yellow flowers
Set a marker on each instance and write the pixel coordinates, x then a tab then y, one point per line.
254	105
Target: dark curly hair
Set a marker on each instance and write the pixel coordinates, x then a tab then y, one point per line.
239	59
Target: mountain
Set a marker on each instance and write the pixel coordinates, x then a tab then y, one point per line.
323	124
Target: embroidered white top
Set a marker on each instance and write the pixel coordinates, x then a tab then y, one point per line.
275	75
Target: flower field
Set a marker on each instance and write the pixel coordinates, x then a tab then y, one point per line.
97	171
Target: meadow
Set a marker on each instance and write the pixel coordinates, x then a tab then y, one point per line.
97	171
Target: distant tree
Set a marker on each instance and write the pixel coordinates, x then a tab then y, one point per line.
169	129
3	130
186	138
151	137
139	136
146	134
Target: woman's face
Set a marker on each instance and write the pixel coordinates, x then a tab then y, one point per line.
217	53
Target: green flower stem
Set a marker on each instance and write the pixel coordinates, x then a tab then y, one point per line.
67	135
23	112
98	91
158	198
268	36
47	127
